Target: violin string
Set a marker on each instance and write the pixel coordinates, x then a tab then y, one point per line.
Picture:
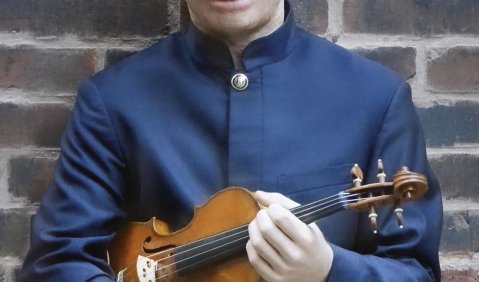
303	208
316	205
190	265
340	199
230	242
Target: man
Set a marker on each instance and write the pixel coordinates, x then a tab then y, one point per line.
240	98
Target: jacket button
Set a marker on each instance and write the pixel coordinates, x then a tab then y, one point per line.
239	82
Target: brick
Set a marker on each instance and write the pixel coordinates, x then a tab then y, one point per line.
460	276
10	272
32	124
460	231
457	175
85	18
51	69
16	273
448	125
311	15
459	266
456	70
15	230
30	176
401	60
114	56
184	14
173	20
411	16
3	275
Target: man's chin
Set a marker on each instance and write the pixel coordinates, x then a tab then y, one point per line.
237	24
233	30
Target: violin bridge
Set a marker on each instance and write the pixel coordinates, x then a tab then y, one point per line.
146	269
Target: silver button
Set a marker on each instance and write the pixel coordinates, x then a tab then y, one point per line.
239	81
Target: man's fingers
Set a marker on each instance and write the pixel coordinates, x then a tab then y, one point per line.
261	244
266	199
295	229
275	237
259	264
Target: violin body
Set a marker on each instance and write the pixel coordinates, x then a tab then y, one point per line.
226	210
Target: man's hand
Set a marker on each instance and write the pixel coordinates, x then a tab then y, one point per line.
282	247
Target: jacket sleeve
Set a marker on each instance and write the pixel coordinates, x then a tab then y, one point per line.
394	254
77	216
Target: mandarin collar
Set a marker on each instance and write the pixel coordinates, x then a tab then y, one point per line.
262	51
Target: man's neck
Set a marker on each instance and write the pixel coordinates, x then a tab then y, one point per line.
238	43
240	29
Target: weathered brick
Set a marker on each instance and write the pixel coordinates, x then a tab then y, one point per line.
85	18
50	69
458	175
184	14
14	229
423	17
460	231
30	176
32	124
456	70
115	55
459	266
16	273
3	275
9	272
401	60
460	276
311	15
447	125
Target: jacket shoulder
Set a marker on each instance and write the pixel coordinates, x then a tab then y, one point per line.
150	61
352	65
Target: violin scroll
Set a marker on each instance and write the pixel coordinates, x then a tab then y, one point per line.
409	185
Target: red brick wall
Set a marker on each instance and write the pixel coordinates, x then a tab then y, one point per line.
47	47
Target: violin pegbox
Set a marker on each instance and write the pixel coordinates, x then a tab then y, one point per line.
406	186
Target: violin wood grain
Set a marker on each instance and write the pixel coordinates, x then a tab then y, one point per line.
229	208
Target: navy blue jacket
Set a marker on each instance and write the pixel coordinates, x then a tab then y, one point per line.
164	130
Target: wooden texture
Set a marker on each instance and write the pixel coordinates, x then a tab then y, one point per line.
229	208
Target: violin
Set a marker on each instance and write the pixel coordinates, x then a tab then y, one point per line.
212	246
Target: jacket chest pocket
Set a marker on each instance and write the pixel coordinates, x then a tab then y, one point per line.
313	185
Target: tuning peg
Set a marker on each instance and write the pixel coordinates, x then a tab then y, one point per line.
380	166
407	192
373	219
381	174
357	175
399	216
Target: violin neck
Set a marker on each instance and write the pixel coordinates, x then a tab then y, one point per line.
311	212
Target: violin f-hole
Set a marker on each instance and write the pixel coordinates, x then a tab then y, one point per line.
162	249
